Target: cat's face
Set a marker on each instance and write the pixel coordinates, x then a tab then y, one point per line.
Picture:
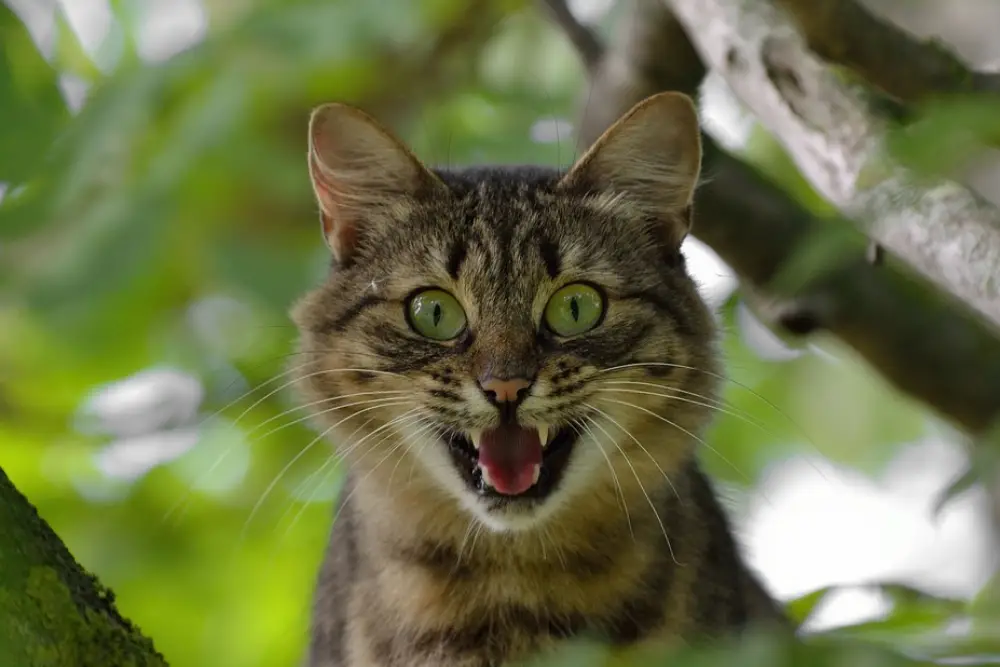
516	333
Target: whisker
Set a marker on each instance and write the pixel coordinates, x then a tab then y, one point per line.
719	376
642	488
300	489
320	482
748	420
218	461
321	401
203	476
318	413
182	501
681	429
475	536
715	402
614	475
324	371
301	453
349	495
424	424
636	441
439	432
473	522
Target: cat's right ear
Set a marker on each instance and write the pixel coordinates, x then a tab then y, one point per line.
359	170
652	157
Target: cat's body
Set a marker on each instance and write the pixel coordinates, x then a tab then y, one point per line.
516	366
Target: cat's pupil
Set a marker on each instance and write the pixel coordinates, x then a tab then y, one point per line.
574	308
437	314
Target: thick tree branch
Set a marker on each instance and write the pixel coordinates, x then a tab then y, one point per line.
52	612
921	340
887	56
941	228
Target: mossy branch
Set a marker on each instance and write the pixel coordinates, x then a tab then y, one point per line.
52	612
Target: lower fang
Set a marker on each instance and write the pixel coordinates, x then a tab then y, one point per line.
536	473
486	477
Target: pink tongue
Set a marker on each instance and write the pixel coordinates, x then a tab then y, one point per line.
508	454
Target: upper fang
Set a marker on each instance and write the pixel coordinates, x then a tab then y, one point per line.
543	435
475	436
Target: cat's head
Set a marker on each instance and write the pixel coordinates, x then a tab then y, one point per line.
522	336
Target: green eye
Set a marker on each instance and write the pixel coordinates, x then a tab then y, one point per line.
436	314
574	309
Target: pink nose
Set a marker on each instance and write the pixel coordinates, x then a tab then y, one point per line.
505	391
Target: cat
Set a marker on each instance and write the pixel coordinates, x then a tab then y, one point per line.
515	367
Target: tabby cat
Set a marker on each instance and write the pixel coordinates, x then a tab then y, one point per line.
515	366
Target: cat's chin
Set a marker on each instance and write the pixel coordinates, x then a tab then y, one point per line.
555	456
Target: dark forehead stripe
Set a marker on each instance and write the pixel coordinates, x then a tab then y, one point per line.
340	322
497	200
551	257
459	250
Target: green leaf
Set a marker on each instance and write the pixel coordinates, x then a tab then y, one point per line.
802	607
983	468
946	133
32	110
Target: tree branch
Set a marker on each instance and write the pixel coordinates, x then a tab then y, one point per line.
888	57
54	614
582	37
922	341
941	228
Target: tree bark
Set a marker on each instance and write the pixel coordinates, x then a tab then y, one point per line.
938	226
52	612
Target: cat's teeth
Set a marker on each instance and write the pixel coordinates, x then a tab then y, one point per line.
475	436
486	477
543	435
536	473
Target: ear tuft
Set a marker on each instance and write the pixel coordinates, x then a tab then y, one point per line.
358	168
651	156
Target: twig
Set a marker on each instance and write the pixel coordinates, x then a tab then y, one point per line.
583	38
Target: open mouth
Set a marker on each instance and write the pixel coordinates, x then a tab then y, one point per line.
511	461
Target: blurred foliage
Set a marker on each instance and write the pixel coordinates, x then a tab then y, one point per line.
946	135
159	229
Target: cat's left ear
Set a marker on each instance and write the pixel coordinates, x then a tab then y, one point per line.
359	171
652	157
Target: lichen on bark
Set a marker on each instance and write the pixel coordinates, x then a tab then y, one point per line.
53	613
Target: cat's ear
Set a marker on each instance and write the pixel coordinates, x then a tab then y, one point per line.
652	157
358	170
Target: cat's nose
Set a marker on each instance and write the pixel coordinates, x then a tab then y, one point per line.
508	390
